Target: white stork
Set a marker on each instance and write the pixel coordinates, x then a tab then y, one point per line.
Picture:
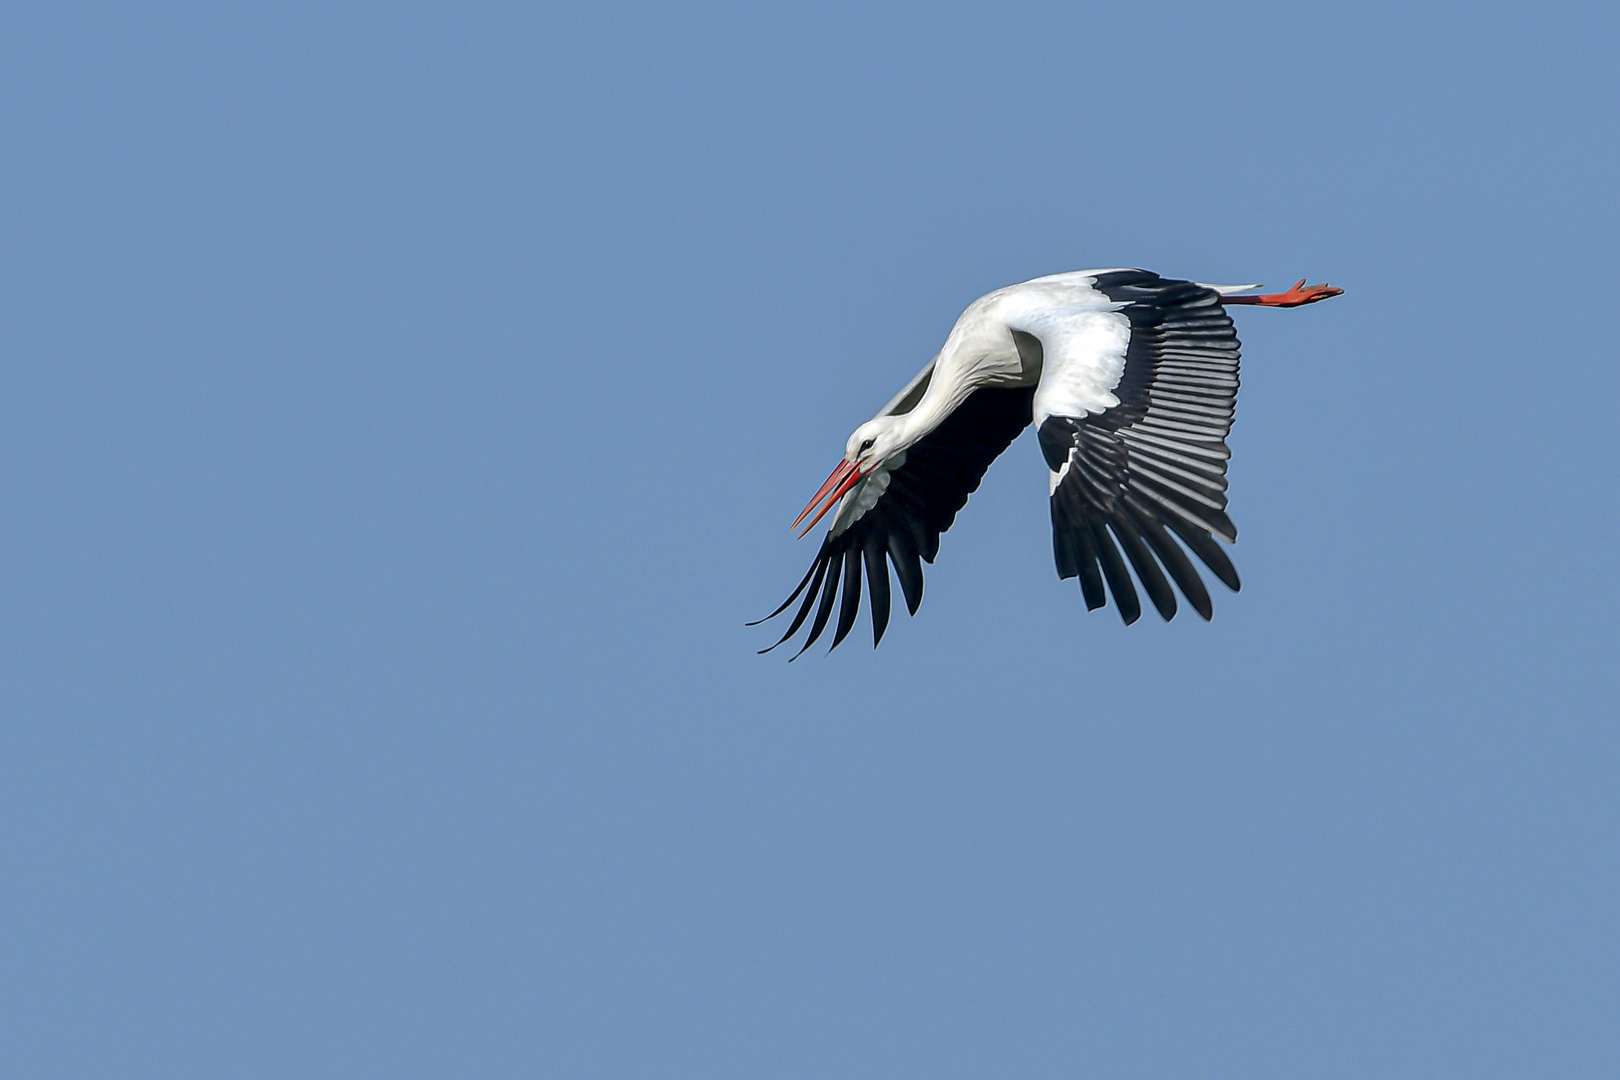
1130	380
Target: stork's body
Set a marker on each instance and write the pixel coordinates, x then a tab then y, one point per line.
1130	380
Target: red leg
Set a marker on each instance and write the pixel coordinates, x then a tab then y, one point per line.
1298	296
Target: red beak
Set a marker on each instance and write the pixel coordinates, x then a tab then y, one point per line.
846	476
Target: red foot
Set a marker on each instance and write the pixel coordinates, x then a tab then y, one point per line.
1298	296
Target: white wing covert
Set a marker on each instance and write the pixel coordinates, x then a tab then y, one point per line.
1082	357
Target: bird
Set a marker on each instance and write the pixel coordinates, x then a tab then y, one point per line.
1130	381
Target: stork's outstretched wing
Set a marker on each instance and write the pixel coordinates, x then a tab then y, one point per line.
898	512
1133	410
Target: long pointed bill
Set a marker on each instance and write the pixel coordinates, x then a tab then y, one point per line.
846	476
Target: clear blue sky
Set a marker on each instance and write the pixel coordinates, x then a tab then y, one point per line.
403	409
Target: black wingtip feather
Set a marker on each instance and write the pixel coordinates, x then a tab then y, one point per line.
1119	578
789	601
851	605
1063	546
829	592
1146	566
1206	548
908	568
1091	579
877	587
818	568
1174	559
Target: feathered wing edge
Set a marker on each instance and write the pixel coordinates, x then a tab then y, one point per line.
845	557
1089	535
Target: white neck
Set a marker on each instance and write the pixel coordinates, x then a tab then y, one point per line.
947	389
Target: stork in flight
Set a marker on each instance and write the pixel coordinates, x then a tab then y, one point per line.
1130	380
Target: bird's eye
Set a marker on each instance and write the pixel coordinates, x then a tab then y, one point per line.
865	446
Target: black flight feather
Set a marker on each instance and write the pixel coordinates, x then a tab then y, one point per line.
819	570
924	494
877	585
1155	464
829	591
851	605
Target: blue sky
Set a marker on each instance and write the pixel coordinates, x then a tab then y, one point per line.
402	413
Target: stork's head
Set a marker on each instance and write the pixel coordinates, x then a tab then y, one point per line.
873	443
